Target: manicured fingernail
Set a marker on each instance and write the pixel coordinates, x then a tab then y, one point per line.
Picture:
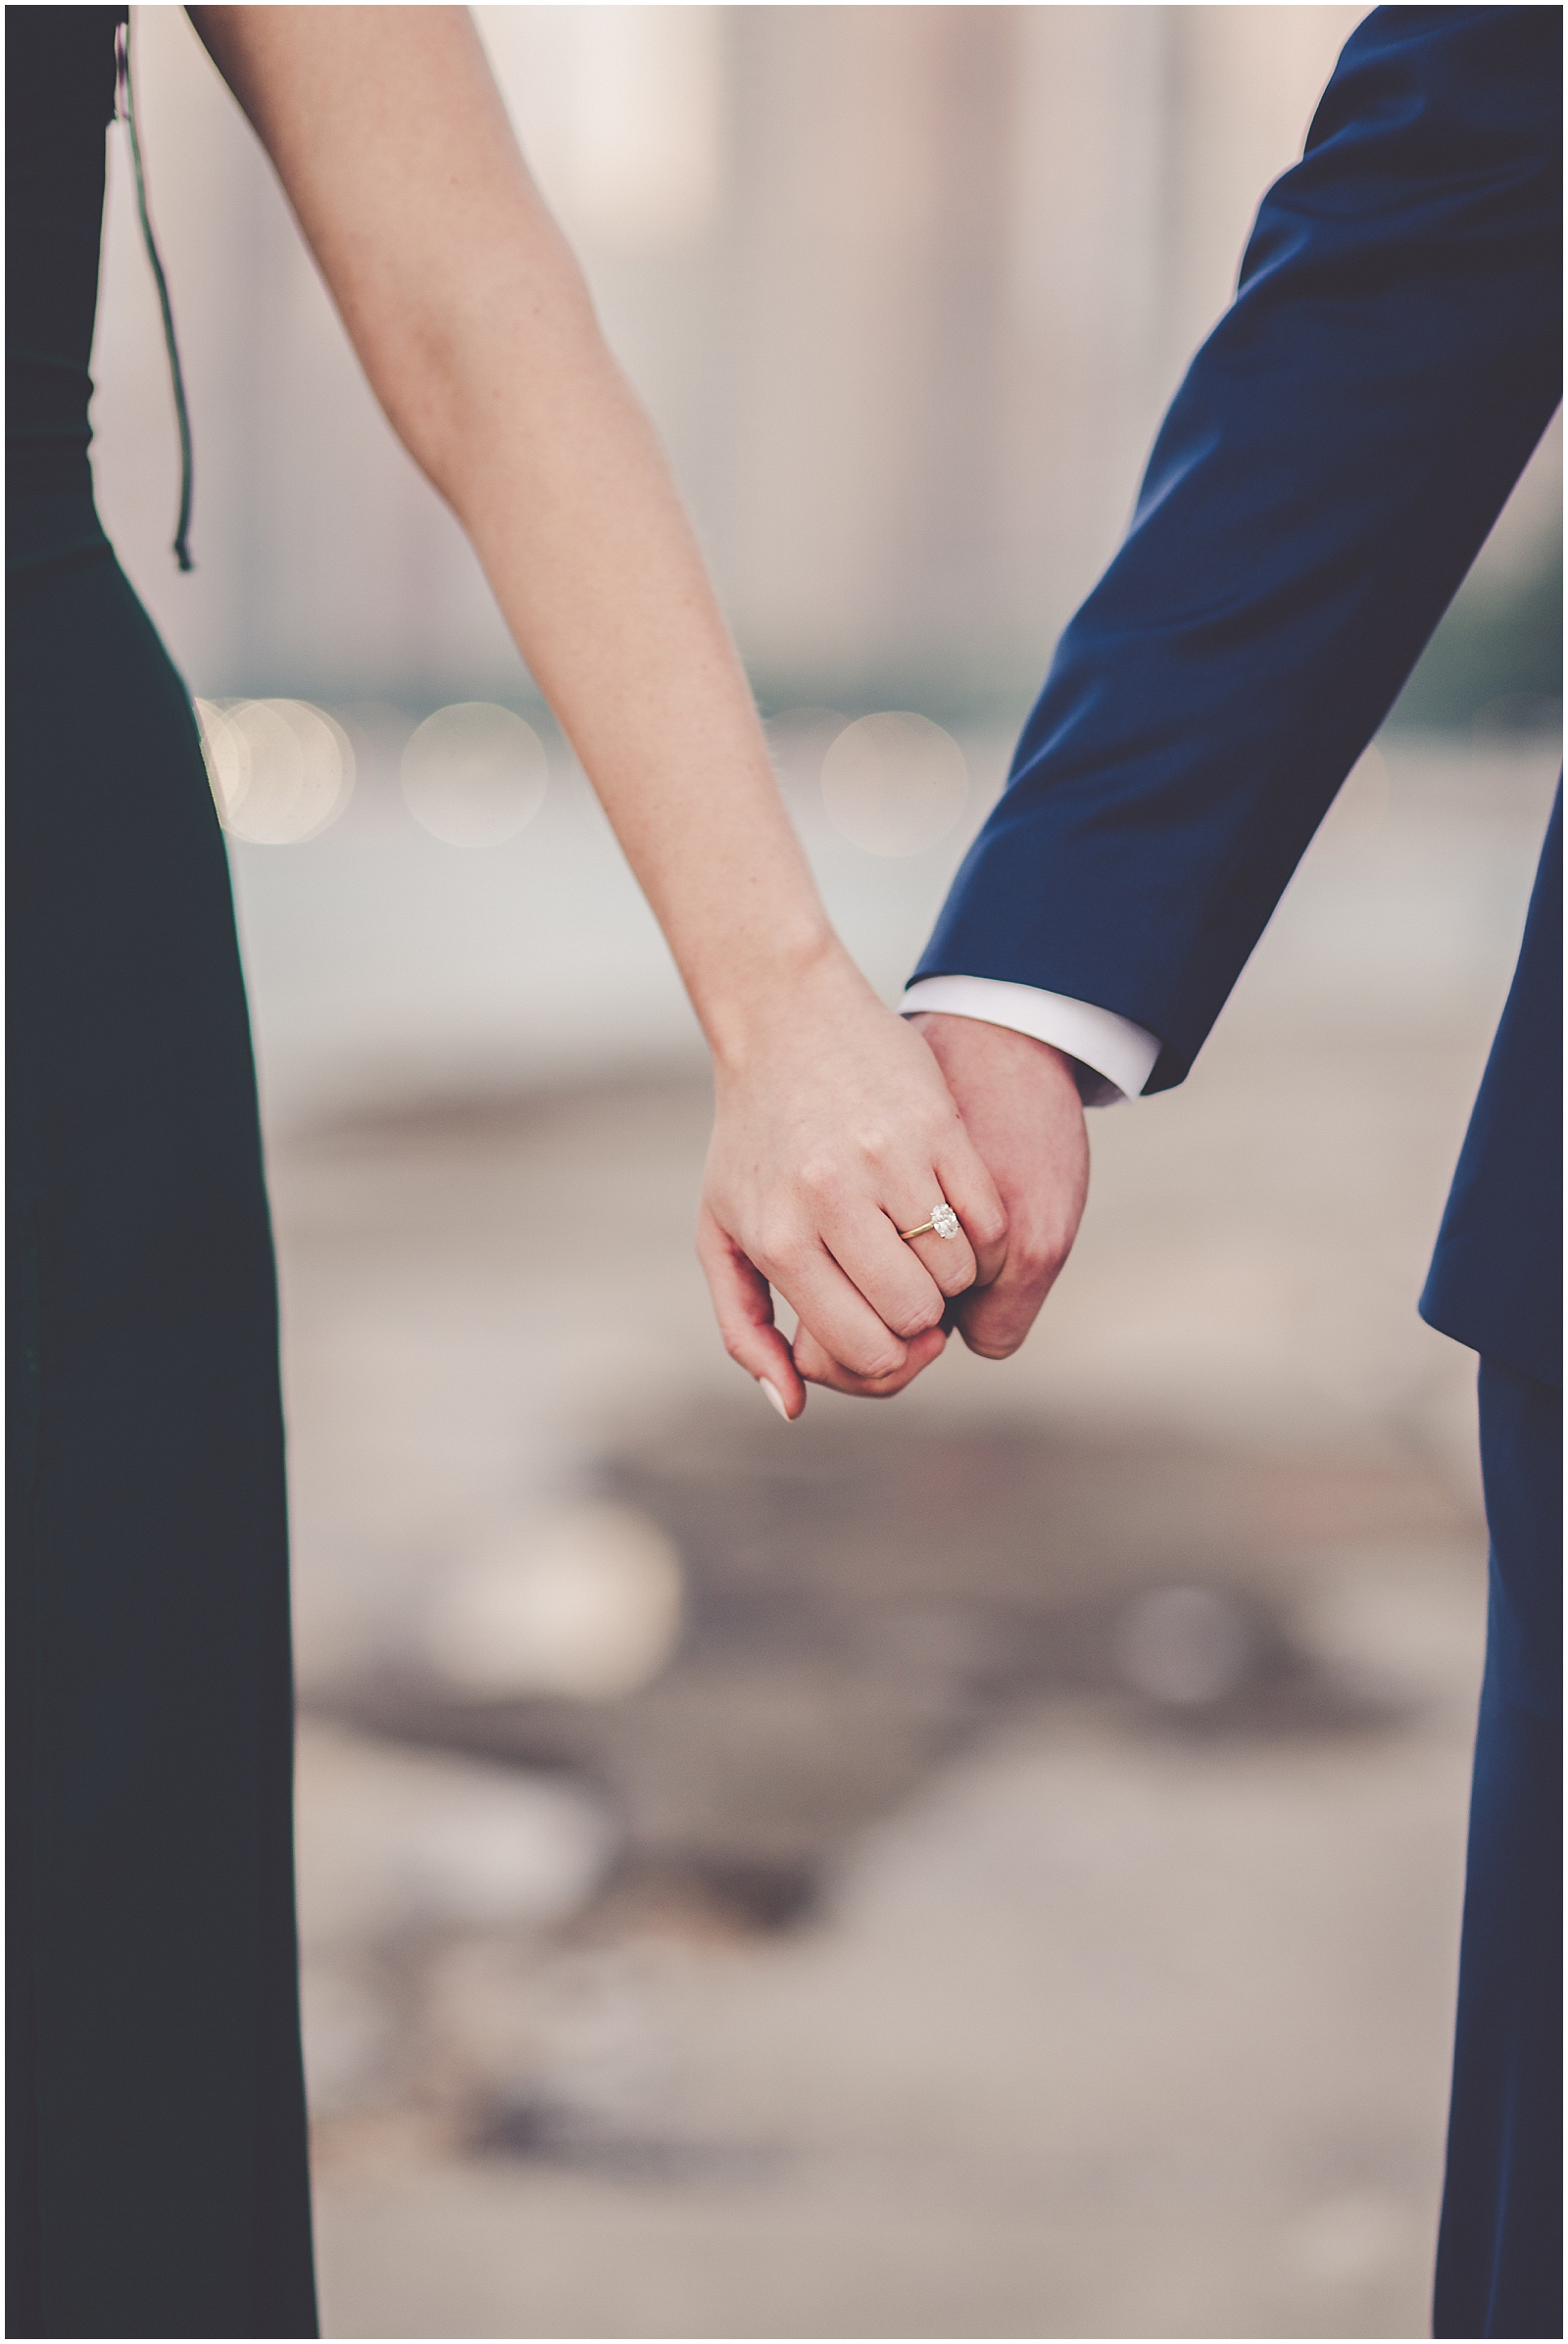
776	1396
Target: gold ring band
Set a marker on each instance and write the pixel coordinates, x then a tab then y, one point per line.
943	1222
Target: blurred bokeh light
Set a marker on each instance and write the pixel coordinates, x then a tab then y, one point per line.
894	784
281	771
474	774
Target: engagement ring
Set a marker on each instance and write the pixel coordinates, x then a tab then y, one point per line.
944	1220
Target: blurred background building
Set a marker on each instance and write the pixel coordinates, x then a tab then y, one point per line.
906	288
987	1868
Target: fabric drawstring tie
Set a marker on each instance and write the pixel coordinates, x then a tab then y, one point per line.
129	117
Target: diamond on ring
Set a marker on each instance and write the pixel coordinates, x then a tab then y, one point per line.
944	1221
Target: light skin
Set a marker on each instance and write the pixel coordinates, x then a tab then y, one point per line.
1019	1102
834	1128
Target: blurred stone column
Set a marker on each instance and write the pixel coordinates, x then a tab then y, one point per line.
867	246
1243	84
1091	135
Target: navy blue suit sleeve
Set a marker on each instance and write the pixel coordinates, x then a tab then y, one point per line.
1339	450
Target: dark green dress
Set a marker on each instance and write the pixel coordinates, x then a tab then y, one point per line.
157	2170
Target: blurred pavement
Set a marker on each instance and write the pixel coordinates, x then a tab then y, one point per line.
1020	1896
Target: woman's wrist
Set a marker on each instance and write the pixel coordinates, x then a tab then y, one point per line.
772	990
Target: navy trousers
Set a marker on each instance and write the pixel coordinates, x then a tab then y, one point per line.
1499	2247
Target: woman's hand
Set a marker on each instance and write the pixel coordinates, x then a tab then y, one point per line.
833	1131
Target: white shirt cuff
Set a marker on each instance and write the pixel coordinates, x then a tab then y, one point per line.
1112	1048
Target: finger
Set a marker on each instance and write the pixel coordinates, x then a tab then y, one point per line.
833	1308
994	1319
744	1308
894	1277
966	1183
815	1365
947	1261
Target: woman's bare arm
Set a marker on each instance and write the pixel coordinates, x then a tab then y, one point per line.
473	324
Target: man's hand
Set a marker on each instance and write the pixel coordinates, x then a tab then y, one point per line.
1020	1106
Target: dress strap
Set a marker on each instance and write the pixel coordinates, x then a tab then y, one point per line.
128	115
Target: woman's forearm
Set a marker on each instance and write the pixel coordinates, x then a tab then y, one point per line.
476	328
834	1130
573	513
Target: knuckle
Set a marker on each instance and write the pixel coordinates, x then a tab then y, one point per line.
991	1348
775	1247
1042	1256
988	1225
1054	1261
821	1178
917	1318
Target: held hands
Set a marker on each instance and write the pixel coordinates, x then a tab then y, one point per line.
844	1125
833	1131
